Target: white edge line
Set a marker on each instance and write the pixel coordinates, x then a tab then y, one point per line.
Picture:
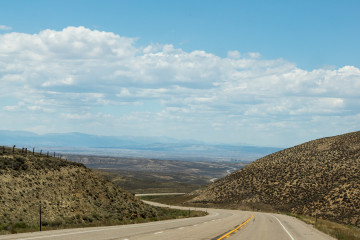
116	227
284	228
106	228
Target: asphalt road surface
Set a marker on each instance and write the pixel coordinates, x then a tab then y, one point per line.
217	225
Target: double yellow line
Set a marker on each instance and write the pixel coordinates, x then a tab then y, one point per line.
236	229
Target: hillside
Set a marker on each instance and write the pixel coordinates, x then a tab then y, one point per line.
320	176
69	193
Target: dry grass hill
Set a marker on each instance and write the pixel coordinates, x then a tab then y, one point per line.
318	177
69	193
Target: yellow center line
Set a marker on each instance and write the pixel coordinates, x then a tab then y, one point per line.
236	229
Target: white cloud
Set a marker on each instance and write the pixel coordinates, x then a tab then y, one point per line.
76	116
233	54
254	55
4	27
10	108
36	108
124	93
78	72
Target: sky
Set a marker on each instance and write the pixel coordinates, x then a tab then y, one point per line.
265	73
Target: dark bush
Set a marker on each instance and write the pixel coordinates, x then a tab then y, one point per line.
56	223
20	225
17	163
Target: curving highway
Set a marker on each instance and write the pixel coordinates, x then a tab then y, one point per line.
217	225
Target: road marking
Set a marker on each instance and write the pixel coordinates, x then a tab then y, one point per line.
236	229
158	232
63	234
100	229
284	228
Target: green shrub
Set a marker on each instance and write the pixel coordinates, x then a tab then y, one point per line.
20	225
4	227
56	223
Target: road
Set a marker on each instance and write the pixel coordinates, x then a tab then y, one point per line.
229	171
218	224
157	194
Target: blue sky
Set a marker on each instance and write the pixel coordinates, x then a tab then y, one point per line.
273	73
311	34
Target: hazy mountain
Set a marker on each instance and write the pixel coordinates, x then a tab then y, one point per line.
157	147
320	176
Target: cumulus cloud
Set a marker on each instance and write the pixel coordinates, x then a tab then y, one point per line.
83	75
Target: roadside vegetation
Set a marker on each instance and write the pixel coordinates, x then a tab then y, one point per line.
93	221
338	231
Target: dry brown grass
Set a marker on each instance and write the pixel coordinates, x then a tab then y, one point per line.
339	231
69	193
320	176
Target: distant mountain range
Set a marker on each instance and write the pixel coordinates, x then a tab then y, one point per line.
149	147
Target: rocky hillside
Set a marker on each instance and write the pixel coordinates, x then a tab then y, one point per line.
320	176
69	192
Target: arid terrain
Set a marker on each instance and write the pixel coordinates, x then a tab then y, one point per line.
68	192
318	178
143	175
